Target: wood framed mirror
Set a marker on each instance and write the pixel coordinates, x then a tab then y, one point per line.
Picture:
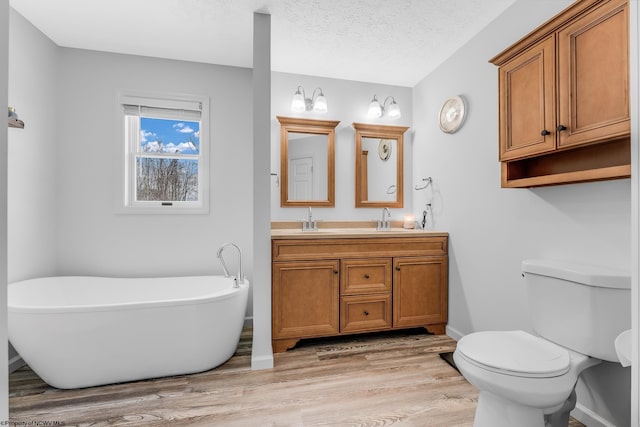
379	165
307	162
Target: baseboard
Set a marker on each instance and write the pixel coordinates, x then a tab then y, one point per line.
454	333
248	322
261	362
589	418
258	362
15	363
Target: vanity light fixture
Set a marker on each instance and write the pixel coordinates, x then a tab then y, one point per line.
377	110
317	103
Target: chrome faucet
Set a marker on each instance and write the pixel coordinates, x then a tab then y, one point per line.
309	224
385	224
240	277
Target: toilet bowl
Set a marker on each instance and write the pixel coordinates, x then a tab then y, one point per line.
521	377
527	379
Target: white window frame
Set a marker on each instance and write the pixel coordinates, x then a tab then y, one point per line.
185	107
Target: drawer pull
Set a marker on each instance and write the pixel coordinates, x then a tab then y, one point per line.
366	276
366	313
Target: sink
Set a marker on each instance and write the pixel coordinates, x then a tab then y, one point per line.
623	348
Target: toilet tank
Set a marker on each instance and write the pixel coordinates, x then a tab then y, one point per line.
578	306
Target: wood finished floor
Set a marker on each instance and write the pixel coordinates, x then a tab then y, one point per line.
367	380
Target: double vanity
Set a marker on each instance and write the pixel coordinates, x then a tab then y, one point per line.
333	278
348	277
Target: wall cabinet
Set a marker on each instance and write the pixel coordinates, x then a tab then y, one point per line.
333	286
564	98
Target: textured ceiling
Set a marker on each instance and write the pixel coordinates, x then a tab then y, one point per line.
391	42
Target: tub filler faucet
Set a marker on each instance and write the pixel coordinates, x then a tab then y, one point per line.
240	278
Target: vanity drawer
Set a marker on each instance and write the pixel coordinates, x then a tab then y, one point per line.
365	313
364	276
313	247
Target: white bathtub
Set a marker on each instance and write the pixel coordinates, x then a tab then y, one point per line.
86	331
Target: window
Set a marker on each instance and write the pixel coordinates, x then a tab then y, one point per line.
165	154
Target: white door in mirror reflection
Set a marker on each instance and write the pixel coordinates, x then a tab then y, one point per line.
301	178
308	163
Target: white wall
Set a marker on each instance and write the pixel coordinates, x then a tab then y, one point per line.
493	229
31	195
32	189
348	101
92	238
4	78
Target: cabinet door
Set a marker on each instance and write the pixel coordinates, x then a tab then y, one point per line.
593	64
419	291
305	299
527	102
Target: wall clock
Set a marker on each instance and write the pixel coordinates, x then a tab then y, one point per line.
384	149
452	114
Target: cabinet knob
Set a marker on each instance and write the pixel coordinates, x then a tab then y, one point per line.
561	128
366	276
397	268
366	313
335	271
545	132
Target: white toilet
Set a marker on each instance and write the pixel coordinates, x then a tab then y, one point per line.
528	380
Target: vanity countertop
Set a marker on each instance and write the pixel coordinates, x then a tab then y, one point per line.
345	229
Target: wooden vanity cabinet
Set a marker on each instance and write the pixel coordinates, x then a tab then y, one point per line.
334	286
564	113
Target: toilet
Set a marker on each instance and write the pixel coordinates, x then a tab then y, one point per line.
528	379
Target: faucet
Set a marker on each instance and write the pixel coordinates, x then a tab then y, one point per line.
309	224
240	277
384	224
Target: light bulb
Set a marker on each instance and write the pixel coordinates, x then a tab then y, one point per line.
320	105
393	110
375	109
297	103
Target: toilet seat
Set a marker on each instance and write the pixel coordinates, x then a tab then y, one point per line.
515	353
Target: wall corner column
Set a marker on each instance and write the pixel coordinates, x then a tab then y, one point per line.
4	139
262	353
634	61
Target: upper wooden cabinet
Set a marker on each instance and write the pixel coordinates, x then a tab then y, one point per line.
564	98
527	102
593	76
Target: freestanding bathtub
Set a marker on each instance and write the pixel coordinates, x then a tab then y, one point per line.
86	331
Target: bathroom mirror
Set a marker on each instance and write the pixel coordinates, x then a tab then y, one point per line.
379	165
307	162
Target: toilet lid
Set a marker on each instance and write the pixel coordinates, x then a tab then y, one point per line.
516	353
